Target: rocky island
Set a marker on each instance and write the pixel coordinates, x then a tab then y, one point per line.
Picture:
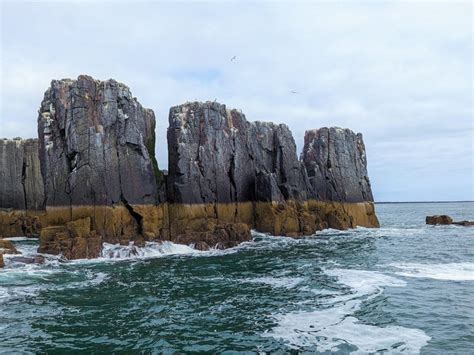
92	177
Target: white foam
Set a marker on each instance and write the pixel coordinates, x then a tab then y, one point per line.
450	271
330	328
19	239
327	329
365	283
286	282
150	250
99	278
92	279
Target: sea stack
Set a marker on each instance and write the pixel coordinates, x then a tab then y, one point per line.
336	163
224	168
96	148
92	176
21	188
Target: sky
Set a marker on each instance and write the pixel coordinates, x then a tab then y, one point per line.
399	72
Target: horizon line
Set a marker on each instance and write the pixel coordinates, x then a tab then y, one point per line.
387	202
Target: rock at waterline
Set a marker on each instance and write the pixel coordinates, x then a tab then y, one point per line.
75	240
6	247
445	219
439	219
464	223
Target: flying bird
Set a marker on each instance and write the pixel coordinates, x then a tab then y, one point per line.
294	92
233	58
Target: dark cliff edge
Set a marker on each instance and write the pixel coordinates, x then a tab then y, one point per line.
92	177
21	188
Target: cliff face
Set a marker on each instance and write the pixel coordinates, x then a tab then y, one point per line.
21	183
337	169
226	168
215	156
336	164
21	187
93	144
97	158
226	175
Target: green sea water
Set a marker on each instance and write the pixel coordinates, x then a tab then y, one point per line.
404	288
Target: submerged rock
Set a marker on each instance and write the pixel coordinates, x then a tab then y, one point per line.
36	259
6	247
464	223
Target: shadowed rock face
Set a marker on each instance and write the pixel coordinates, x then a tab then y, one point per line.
93	144
336	164
21	183
216	156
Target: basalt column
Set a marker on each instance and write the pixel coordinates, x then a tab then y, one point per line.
223	168
336	163
21	188
97	161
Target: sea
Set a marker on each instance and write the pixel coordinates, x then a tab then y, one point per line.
406	287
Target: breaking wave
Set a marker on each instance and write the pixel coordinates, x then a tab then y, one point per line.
335	325
286	282
149	250
448	271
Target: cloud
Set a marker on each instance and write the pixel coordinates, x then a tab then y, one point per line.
399	72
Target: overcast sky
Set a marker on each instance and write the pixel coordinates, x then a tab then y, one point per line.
400	72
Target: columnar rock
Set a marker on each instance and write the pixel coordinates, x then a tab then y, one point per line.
21	187
223	164
337	165
21	183
215	155
93	144
97	157
100	182
225	168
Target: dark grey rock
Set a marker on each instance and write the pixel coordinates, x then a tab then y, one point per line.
96	145
21	183
215	155
336	164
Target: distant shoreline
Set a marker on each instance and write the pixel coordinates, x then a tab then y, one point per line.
388	202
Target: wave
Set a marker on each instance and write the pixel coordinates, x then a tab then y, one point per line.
20	239
450	271
149	250
285	282
328	329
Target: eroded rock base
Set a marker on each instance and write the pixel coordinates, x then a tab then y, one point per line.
79	232
18	223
